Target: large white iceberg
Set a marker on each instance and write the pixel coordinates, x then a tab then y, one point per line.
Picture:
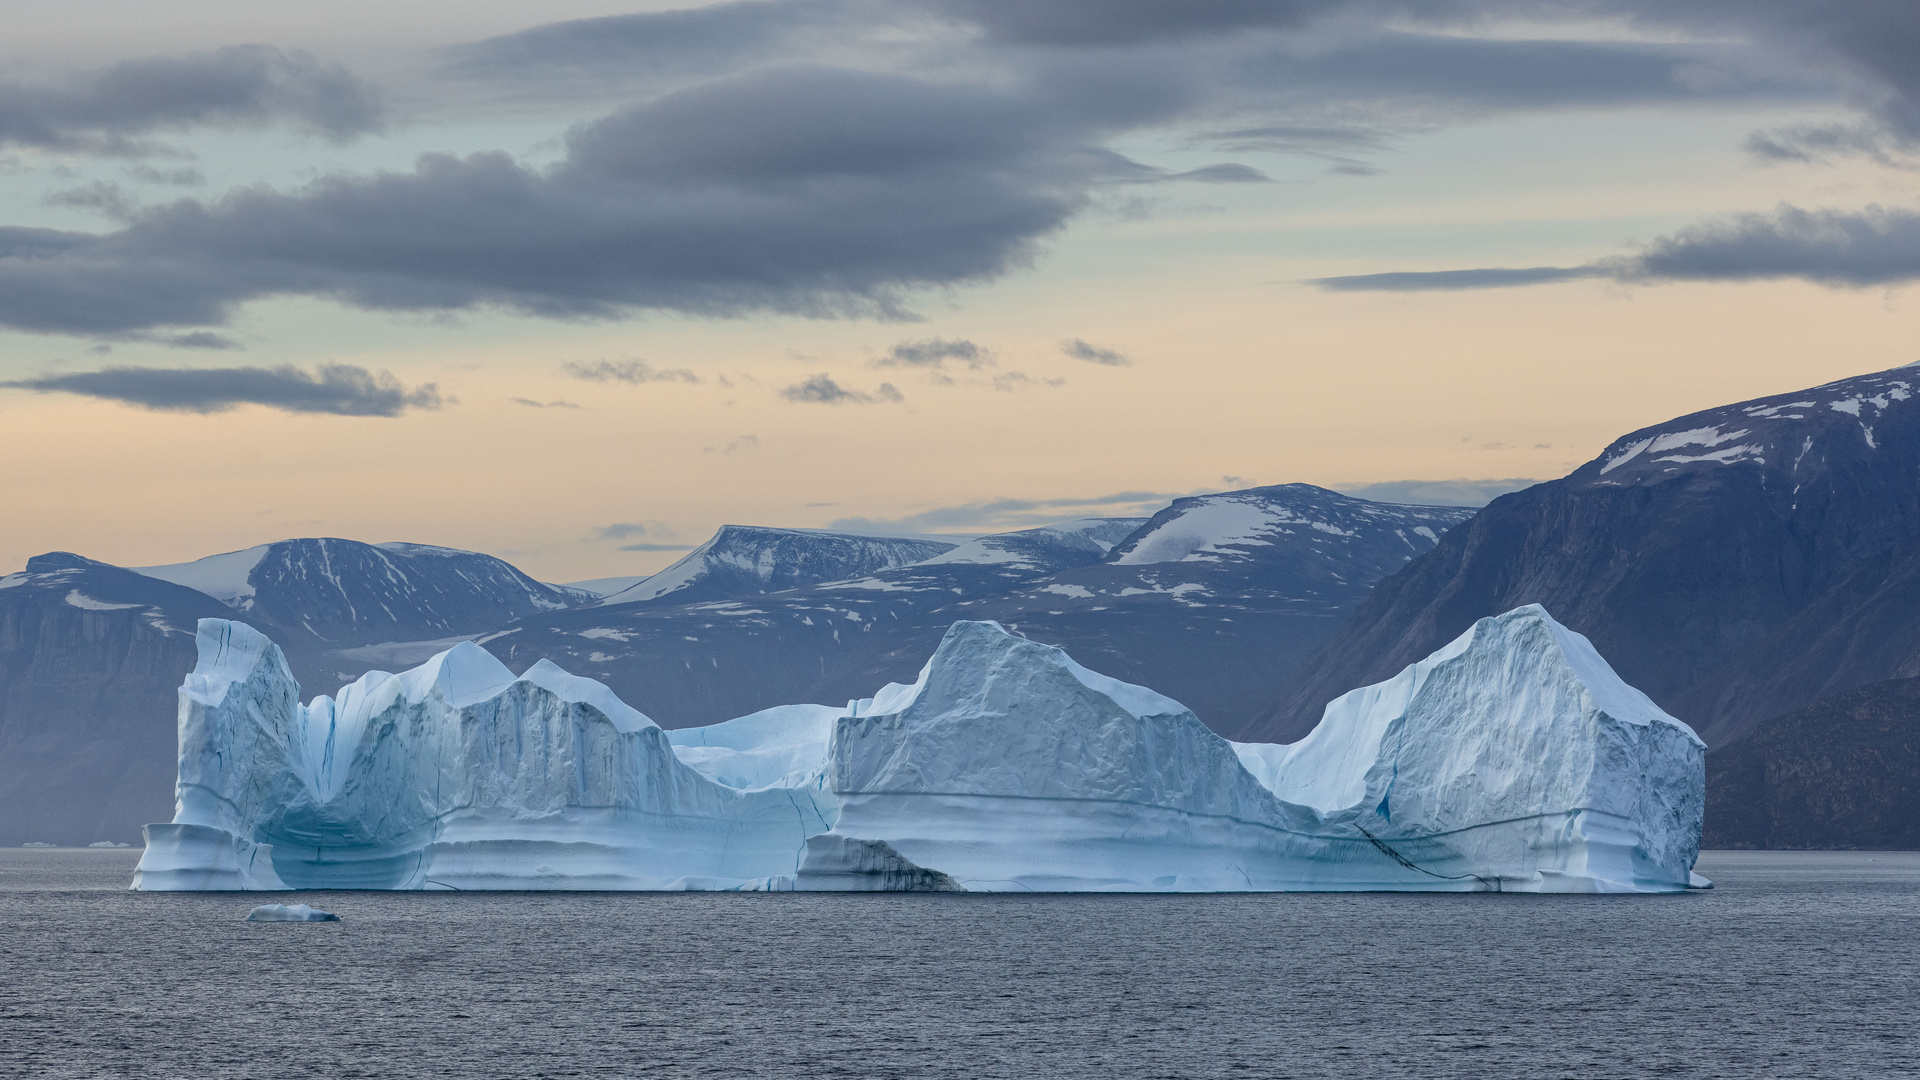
1513	759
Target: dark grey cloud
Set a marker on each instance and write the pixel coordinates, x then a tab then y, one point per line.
1094	354
649	546
803	190
626	371
115	109
958	137
822	390
337	389
934	354
1876	246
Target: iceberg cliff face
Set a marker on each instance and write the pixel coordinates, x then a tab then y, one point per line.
455	774
1512	759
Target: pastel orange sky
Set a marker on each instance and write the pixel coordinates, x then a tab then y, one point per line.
1238	369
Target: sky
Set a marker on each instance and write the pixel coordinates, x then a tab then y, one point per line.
576	283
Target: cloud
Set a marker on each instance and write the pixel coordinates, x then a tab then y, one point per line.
627	530
111	110
1434	280
1015	380
181	177
532	404
934	353
1000	515
1876	246
1461	492
938	143
626	371
802	190
1080	350
740	445
335	389
821	390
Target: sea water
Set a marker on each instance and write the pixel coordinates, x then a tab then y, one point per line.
1798	964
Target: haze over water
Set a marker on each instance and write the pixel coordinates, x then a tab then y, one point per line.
1798	964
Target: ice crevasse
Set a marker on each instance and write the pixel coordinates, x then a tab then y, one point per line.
1513	759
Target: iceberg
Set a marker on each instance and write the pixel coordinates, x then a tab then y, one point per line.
454	775
1513	759
290	913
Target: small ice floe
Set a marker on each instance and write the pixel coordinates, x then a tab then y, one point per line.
105	844
290	913
36	843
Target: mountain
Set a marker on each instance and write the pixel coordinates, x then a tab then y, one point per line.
746	560
1735	563
1045	549
1840	773
1213	601
91	657
343	592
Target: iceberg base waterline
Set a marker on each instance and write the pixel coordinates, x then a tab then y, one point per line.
1512	760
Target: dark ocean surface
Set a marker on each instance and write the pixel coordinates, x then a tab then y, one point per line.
1797	965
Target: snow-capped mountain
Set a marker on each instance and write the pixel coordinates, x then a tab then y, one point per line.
91	655
1735	563
1215	600
746	560
90	662
345	592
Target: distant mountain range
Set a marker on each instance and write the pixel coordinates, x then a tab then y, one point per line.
1215	599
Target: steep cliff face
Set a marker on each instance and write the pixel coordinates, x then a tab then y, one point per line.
90	662
1734	563
1840	773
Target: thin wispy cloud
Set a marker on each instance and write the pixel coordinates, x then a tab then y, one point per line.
335	389
999	515
822	390
1877	246
626	371
1460	492
1093	354
935	353
631	530
532	404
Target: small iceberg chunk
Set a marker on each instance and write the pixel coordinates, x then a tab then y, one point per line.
290	913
